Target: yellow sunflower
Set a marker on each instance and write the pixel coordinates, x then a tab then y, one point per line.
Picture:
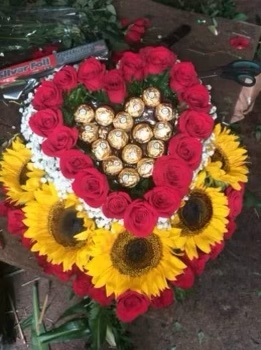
202	219
120	261
53	224
18	174
228	161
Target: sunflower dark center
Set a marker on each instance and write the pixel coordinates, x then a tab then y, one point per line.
138	251
221	157
64	225
23	175
197	212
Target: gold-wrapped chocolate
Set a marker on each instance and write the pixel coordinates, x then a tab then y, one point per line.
163	131
142	133
131	154
89	133
123	120
151	97
112	165
155	148
128	177
135	107
104	115
118	138
164	112
145	167
103	132
84	114
101	149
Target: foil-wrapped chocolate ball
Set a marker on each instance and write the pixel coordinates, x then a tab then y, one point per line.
112	165
142	133
101	149
131	154
151	97
84	114
155	148
89	133
123	120
145	167
163	131
128	177
118	138
135	107
104	115
164	112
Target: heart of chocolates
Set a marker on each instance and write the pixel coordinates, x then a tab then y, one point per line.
126	143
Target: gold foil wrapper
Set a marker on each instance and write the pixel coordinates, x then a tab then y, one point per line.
163	131
164	112
103	132
112	165
142	133
128	177
104	115
89	133
118	138
145	167
155	148
101	149
135	107
151	97
131	154
123	120
84	114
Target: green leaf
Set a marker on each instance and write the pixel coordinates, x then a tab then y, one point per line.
182	294
27	322
251	200
98	321
79	308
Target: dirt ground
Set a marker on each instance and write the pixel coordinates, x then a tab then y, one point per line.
223	312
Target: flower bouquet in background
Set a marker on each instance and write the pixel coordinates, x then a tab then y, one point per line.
121	182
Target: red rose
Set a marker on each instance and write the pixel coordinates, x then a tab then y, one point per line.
157	59
235	201
44	121
166	200
173	172
47	95
116	204
185	280
231	228
27	242
197	98
136	30
239	42
183	76
165	299
131	305
196	124
73	161
91	73
216	250
132	66
61	139
142	22
66	78
197	264
53	269
15	223
114	85
140	218
45	51
186	148
92	186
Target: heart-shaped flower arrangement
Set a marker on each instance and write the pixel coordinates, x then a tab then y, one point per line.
121	181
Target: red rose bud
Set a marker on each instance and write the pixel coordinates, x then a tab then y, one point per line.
66	78
45	121
231	227
186	148
15	223
92	186
116	204
197	98
91	73
47	95
114	85
185	280
216	250
73	161
235	201
157	59
182	76
61	139
140	218
130	305
132	66
166	200
165	299
196	124
198	264
239	42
